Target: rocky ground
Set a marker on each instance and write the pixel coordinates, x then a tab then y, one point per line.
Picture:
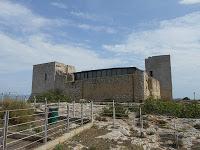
158	134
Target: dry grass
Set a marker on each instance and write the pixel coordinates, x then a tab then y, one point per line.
23	115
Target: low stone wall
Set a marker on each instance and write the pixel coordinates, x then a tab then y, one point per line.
63	138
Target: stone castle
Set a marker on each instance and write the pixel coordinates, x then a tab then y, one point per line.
127	84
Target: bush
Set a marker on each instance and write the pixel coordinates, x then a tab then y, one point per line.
134	108
120	111
51	96
172	108
22	114
197	126
59	147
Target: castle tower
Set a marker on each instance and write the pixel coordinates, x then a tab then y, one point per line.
45	76
159	67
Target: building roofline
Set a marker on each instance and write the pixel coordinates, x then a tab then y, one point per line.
45	63
51	62
158	56
109	69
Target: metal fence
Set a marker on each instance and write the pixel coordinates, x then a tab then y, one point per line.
116	110
29	128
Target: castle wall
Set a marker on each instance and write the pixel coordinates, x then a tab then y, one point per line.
146	86
118	88
159	67
154	87
127	84
139	86
151	87
43	78
51	76
122	88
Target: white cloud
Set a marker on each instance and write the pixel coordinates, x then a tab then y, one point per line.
179	37
176	35
84	15
189	2
97	28
24	20
21	52
20	17
59	5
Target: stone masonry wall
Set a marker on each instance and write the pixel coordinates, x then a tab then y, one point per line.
122	88
151	87
118	88
139	86
159	67
40	83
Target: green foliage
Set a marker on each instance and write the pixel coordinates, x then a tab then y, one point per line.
134	108
51	96
172	108
120	111
22	111
92	148
38	130
197	126
59	147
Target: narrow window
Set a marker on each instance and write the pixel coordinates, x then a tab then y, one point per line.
45	77
151	73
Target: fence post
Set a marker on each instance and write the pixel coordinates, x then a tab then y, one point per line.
92	111
35	102
2	97
81	114
175	134
5	129
58	104
133	119
113	113
46	121
141	122
68	118
73	109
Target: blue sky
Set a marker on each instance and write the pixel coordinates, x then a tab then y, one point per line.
91	34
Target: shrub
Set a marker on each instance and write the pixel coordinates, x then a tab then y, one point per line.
98	118
120	111
197	126
134	108
38	130
59	147
51	96
172	108
92	148
24	110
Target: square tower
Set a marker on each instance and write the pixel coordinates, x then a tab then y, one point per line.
159	67
44	76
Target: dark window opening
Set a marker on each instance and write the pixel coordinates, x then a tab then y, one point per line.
86	75
151	73
45	77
